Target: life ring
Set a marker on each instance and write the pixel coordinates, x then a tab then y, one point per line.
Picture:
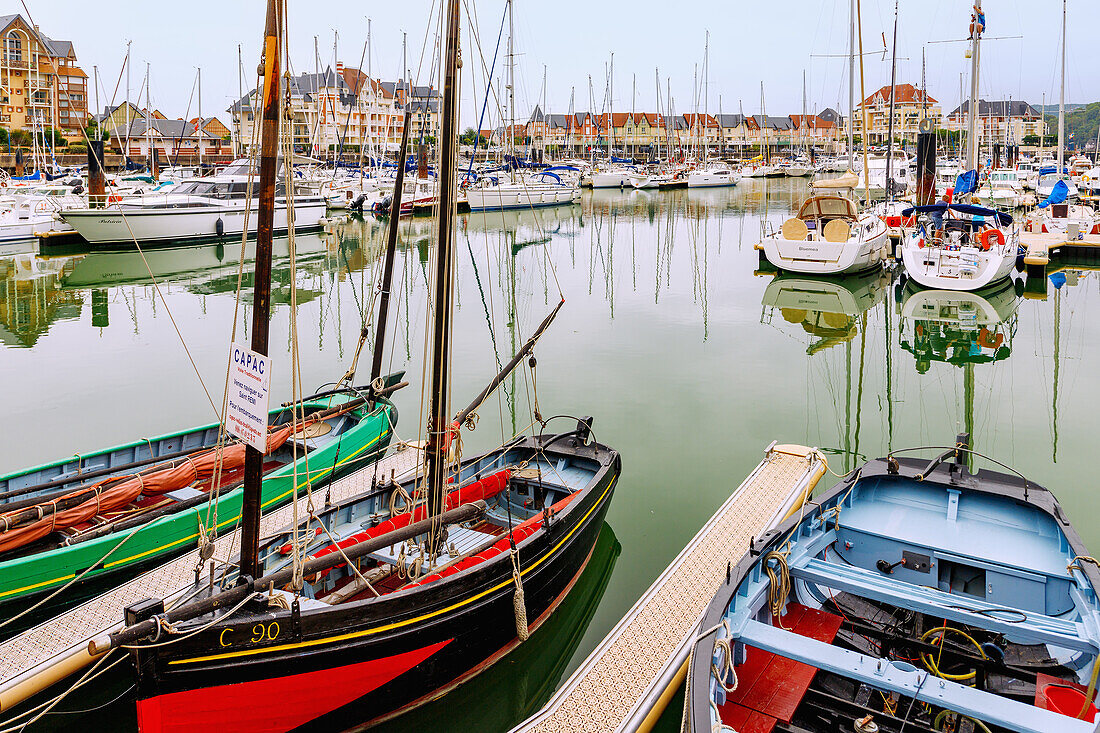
113	199
988	340
988	234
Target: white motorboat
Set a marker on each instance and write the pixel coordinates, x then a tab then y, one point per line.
208	207
1047	181
1066	219
616	177
1002	188
959	246
874	178
828	237
759	170
713	176
538	189
650	181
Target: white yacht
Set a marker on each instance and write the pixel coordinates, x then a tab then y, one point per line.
874	179
616	177
35	211
1002	188
1066	219
1046	182
959	246
204	208
538	189
828	237
713	176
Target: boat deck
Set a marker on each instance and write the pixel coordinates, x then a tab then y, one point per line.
627	680
49	652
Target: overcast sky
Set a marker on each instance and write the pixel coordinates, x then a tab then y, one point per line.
750	43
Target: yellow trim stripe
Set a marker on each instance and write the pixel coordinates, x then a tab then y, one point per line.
195	536
399	624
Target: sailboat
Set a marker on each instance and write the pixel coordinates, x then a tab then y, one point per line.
960	246
711	174
1056	190
830	235
539	188
390	599
89	521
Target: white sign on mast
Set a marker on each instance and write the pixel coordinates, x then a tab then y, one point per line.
249	382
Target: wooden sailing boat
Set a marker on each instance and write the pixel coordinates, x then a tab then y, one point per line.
381	603
77	526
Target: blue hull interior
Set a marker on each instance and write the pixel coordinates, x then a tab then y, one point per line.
962	552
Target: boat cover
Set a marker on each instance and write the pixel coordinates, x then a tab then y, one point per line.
1002	218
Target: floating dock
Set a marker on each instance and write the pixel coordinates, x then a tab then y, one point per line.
48	653
627	681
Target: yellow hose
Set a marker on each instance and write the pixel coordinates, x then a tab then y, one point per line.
931	663
1092	688
943	714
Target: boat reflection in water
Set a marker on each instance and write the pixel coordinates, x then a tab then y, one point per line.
828	308
523	682
957	327
31	298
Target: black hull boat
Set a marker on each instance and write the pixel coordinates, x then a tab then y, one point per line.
336	656
914	596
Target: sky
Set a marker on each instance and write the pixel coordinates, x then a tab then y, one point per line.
749	43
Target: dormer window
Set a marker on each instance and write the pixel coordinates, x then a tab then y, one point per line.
13	47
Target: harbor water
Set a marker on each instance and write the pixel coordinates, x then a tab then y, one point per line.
689	357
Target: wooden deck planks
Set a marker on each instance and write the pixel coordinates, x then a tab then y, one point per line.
606	693
60	640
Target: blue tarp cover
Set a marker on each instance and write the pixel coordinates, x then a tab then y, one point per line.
966	182
1002	218
1057	195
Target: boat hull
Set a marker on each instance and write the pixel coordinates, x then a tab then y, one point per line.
497	198
819	257
611	179
24	580
389	654
113	226
941	269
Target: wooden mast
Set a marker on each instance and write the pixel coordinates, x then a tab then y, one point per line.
391	249
261	296
439	387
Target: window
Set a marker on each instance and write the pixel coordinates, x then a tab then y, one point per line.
13	47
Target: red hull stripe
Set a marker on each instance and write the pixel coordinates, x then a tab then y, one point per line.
270	705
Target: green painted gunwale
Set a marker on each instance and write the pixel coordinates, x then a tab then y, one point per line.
172	534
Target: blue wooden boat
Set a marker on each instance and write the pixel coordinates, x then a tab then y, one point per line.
916	595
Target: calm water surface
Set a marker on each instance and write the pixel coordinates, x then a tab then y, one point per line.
691	360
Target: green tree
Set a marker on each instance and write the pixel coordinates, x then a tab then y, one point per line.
1031	140
468	136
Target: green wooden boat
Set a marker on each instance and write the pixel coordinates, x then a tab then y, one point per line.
350	433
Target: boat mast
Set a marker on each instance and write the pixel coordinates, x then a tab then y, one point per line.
126	151
240	97
611	111
391	249
851	85
439	387
200	118
261	294
511	134
706	97
972	128
1062	99
802	123
148	125
893	93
